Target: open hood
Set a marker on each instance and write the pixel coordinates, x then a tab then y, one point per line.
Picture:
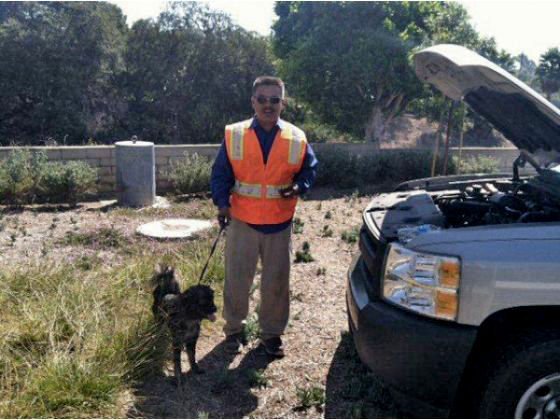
523	116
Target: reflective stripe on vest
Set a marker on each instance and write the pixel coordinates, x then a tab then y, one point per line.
237	134
247	190
273	191
296	147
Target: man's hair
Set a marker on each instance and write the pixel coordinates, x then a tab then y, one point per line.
268	81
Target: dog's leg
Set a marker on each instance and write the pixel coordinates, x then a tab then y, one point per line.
191	353
177	364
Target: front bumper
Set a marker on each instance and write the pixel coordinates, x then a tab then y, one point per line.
422	357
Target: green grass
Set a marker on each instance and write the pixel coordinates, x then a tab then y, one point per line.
73	338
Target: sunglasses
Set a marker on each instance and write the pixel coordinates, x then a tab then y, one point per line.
274	100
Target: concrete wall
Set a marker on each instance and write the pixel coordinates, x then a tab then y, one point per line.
103	157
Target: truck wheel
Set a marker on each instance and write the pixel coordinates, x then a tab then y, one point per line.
525	385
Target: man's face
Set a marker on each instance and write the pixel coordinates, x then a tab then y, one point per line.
268	104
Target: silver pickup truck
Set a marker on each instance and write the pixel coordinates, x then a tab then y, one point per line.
454	297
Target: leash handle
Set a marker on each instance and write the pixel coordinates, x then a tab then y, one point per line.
222	228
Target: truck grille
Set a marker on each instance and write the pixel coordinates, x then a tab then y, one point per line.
372	250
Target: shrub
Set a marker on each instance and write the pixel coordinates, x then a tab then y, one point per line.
344	170
66	183
191	174
476	164
16	177
27	178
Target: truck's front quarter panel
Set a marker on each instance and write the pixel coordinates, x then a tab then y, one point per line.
498	274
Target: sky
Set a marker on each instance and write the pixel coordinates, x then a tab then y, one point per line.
528	26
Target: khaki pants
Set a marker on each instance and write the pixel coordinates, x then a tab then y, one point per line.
244	246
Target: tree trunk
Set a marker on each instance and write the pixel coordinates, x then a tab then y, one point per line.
375	127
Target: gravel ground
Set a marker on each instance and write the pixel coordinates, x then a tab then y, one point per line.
320	375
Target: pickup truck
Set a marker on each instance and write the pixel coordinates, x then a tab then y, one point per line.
454	297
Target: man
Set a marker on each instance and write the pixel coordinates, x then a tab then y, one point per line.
262	166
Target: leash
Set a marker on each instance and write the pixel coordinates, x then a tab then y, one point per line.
222	228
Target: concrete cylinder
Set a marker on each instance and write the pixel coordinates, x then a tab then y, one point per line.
136	173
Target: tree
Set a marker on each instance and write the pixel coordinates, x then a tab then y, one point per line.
189	73
526	69
548	72
351	61
58	63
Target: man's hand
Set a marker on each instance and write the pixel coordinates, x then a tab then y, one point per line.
223	217
291	191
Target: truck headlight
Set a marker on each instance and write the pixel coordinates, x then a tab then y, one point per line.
421	282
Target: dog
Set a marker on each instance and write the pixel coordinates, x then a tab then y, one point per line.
183	313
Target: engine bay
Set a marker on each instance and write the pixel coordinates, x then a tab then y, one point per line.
499	202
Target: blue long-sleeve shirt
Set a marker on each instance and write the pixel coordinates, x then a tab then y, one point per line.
223	179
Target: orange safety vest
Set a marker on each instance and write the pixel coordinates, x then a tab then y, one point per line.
255	197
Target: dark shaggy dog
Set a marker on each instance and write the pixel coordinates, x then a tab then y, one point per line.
183	313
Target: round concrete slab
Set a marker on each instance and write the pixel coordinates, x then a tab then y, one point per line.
173	228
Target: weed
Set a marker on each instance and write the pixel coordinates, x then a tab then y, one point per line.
257	378
313	396
351	236
104	237
298	225
203	415
319	206
357	411
251	329
321	271
224	381
352	197
327	232
304	256
328	215
87	262
13	237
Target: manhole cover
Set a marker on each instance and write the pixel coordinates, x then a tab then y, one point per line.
173	228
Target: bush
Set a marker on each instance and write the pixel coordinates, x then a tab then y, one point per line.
66	183
27	178
477	165
344	170
17	177
192	174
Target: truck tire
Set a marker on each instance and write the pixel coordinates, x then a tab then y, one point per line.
524	384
